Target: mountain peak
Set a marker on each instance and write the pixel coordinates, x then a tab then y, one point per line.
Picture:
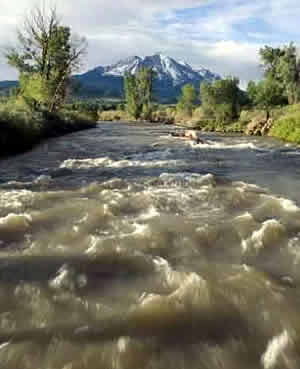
166	68
171	74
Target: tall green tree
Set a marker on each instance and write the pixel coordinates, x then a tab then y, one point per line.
282	65
138	93
133	106
187	101
46	56
221	100
251	91
265	94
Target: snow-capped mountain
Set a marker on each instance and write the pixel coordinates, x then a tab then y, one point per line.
171	75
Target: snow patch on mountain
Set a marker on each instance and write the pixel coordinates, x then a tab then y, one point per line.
166	68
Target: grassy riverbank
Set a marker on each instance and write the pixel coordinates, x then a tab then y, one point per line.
285	121
21	129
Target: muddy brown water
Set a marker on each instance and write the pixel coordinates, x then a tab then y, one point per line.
122	247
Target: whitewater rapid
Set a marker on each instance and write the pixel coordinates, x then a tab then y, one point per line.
124	248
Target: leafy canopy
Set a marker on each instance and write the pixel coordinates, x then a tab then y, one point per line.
187	101
46	56
221	100
283	66
138	93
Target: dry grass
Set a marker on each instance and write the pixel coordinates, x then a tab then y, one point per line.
113	115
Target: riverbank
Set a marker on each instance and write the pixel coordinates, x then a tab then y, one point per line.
284	122
21	130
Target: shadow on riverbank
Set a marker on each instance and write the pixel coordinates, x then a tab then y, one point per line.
20	131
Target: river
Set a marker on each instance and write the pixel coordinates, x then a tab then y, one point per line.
122	247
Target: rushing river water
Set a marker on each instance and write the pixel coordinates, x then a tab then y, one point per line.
124	248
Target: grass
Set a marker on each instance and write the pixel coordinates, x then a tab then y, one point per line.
286	120
287	126
21	129
113	115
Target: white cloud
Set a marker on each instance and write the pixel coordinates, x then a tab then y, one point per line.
120	28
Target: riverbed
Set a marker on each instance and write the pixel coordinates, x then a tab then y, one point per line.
122	247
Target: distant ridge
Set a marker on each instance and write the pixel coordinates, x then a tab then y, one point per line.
5	86
171	75
107	81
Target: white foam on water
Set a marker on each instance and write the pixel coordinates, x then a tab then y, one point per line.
222	145
169	137
93	245
138	230
62	279
276	349
3	345
15	222
147	299
43	180
147	164
288	205
270	231
12	217
248	186
151	213
170	277
123	343
294	249
68	279
150	162
245	216
16	199
185	177
84	163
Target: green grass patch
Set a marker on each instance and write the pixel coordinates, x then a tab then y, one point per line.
288	126
21	129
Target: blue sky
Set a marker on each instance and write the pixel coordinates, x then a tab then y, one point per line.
222	35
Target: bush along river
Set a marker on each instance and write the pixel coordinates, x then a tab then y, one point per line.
122	247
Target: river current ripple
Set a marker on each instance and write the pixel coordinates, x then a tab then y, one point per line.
122	247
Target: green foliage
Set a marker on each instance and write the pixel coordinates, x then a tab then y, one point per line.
282	65
133	105
138	93
46	57
288	126
221	100
265	94
113	115
223	113
187	101
20	128
19	131
34	90
251	91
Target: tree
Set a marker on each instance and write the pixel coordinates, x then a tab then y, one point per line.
46	56
251	91
282	65
131	94
138	93
221	100
266	94
187	101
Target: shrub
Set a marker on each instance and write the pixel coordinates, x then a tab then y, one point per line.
288	127
21	129
162	116
113	115
19	132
